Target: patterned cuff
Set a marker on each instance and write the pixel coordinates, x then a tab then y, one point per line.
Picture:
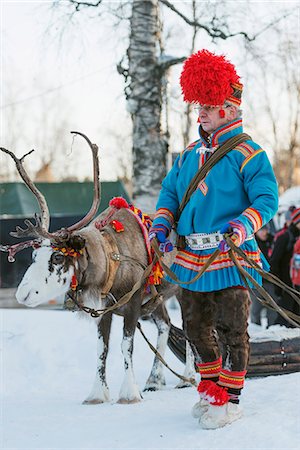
159	228
239	232
254	218
166	215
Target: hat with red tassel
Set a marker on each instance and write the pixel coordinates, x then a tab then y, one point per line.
209	79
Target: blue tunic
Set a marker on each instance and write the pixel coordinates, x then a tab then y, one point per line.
241	186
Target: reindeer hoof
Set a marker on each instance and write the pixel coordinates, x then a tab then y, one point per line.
183	384
125	401
151	388
94	401
155	384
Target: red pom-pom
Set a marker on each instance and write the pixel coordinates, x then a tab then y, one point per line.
204	385
118	203
207	78
216	395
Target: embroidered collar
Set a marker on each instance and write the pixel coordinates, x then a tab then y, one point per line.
221	134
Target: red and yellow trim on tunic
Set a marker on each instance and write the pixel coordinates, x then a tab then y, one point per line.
210	369
246	149
230	379
192	261
224	130
255	218
250	157
165	213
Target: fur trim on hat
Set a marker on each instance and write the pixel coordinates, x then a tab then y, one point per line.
209	79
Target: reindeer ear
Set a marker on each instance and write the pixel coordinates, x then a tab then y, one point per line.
76	242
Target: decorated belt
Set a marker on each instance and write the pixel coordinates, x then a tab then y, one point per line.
205	241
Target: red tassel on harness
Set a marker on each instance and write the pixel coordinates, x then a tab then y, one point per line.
156	275
74	283
222	113
117	226
118	203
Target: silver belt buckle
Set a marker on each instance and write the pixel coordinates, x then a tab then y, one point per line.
204	241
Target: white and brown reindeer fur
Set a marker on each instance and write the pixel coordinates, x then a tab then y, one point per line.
51	272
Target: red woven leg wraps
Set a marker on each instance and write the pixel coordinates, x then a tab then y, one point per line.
210	370
230	379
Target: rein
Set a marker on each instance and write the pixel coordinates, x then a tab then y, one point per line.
266	300
95	313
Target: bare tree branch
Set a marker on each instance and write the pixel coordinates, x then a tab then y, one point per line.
217	32
165	64
213	32
275	22
78	5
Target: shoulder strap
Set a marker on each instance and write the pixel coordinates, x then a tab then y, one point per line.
229	145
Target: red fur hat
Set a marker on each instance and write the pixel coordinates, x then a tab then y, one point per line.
209	79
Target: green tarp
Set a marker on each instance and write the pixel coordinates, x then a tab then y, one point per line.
63	199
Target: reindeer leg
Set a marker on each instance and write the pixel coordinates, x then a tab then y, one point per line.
129	392
100	392
156	378
189	371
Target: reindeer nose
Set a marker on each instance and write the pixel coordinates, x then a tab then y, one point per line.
22	300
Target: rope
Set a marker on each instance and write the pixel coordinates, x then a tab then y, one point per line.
188	380
172	275
291	317
294	319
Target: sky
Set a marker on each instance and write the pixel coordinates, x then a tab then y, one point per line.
59	73
51	77
48	363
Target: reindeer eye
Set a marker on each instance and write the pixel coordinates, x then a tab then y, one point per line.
57	258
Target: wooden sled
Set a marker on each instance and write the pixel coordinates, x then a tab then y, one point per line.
267	357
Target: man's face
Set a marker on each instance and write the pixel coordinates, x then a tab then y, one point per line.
210	118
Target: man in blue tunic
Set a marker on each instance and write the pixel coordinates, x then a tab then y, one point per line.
237	196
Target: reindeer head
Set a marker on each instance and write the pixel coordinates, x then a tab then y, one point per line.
53	272
55	259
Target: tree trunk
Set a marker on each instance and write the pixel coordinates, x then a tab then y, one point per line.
150	145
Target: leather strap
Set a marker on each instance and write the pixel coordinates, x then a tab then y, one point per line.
112	263
229	145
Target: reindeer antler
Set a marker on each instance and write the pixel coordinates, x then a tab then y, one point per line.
97	194
33	230
13	249
40	228
45	216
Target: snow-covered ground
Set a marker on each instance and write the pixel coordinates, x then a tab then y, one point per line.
48	365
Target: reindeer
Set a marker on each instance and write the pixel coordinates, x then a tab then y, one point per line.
97	266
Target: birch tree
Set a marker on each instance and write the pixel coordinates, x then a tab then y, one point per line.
145	69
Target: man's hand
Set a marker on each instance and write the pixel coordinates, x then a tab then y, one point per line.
237	233
160	234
